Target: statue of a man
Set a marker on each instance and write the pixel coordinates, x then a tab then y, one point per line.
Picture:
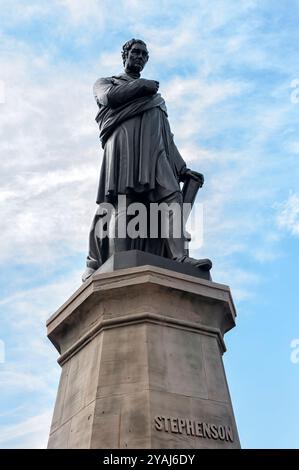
140	160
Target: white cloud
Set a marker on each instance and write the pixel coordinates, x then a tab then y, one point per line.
241	282
17	11
288	217
190	100
199	92
13	380
30	369
51	157
2	92
32	307
293	147
31	433
78	14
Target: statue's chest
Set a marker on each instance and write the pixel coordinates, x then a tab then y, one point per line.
121	81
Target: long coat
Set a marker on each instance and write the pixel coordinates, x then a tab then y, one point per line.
140	156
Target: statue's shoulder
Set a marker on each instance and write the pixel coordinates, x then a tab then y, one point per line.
103	81
101	87
114	79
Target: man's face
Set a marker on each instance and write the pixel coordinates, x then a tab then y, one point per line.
137	57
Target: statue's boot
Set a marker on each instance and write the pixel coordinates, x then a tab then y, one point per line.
87	274
176	249
204	264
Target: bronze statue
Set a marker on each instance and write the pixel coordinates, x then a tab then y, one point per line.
140	160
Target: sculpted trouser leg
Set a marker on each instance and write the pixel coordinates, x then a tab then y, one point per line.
98	246
104	240
118	238
172	229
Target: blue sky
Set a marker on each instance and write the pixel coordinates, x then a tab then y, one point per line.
229	72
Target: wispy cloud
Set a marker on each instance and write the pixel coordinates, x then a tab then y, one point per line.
10	381
288	217
33	305
31	433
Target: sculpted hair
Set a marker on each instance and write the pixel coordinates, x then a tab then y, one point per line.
128	45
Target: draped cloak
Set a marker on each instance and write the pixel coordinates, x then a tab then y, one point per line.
140	156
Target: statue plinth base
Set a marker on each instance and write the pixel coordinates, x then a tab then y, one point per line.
141	356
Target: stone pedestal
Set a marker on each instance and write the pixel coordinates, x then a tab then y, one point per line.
141	356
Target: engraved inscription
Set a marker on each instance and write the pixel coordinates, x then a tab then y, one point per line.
194	428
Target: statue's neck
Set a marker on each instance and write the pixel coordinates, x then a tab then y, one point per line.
132	74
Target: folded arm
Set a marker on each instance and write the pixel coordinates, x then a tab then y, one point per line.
108	93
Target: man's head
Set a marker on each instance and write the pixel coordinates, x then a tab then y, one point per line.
135	55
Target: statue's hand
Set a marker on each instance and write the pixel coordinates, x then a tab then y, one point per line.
151	86
183	173
186	171
199	176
